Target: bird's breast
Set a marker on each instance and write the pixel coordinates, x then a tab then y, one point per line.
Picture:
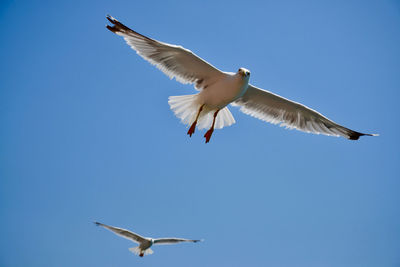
224	92
146	244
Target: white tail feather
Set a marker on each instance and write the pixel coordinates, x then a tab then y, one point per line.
148	251
186	107
138	250
135	250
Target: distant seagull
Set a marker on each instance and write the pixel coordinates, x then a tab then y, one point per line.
208	108
144	242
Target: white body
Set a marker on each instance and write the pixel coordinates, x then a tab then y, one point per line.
213	97
224	91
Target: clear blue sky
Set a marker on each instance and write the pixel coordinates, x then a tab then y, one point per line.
86	134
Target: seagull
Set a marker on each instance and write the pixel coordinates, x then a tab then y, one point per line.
208	108
144	242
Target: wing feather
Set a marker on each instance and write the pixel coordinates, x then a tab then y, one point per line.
175	61
124	233
172	240
275	109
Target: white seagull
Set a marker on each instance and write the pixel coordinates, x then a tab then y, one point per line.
208	108
144	242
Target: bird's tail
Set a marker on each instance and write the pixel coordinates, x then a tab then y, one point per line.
186	108
148	251
135	250
140	252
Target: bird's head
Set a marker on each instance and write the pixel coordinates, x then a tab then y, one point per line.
244	72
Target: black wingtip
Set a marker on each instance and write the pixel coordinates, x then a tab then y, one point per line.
117	26
356	135
97	223
111	19
111	28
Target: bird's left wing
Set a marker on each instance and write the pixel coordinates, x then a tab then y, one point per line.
174	61
275	109
123	233
172	240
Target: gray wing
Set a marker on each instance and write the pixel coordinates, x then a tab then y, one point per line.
275	109
172	240
174	61
124	233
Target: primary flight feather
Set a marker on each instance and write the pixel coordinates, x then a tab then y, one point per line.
208	108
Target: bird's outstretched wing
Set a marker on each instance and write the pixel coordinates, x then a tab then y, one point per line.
172	240
174	61
124	233
275	109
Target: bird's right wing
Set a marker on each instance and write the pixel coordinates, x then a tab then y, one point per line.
123	233
275	109
174	61
173	240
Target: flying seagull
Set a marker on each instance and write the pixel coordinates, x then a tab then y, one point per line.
144	242
208	108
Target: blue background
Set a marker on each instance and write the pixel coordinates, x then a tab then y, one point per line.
86	134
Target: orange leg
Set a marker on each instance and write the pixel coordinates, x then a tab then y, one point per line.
193	127
210	132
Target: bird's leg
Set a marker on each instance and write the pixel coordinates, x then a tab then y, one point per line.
209	132
193	127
